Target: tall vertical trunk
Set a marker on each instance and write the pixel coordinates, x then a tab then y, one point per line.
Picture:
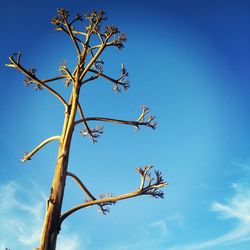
51	226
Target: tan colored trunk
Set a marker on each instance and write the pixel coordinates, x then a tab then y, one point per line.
51	226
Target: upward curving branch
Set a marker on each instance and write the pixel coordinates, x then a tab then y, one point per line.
42	144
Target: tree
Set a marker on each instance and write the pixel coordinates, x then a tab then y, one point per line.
89	45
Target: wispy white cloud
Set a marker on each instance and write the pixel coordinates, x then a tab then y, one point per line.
21	218
238	208
69	241
161	227
152	235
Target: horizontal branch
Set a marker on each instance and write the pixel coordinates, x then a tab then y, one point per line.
111	120
151	188
18	66
29	155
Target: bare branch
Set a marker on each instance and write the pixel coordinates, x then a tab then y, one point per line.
139	122
121	81
92	78
144	174
79	33
61	20
54	79
100	49
95	57
133	123
33	78
65	71
93	133
86	191
58	28
83	187
94	47
82	116
29	155
151	189
72	37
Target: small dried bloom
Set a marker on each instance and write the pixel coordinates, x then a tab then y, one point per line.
94	134
119	42
110	30
63	12
156	193
78	17
56	20
63	67
95	16
28	80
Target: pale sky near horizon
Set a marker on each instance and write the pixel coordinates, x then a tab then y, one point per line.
188	60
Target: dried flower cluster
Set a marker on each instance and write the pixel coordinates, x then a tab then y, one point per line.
94	133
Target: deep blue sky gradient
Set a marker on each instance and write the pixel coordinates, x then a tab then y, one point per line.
189	62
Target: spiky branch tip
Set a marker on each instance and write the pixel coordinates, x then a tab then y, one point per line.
122	80
94	133
151	185
149	122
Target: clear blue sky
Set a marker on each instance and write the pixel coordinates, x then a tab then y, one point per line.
189	62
